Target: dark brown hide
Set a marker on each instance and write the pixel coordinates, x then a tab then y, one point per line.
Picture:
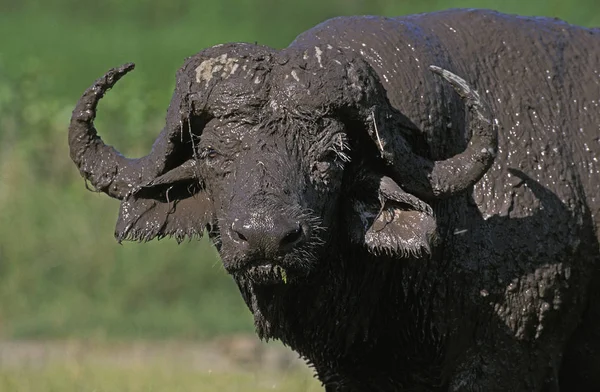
401	226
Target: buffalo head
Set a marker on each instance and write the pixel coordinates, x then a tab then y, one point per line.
278	155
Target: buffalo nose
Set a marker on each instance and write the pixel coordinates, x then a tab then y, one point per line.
271	235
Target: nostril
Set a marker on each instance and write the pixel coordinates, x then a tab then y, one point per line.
238	229
241	236
267	234
292	237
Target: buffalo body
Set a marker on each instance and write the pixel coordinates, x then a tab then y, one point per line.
401	227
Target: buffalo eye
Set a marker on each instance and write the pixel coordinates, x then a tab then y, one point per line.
208	153
325	167
327	160
322	166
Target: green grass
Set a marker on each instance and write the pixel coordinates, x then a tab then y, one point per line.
137	368
74	377
61	272
97	379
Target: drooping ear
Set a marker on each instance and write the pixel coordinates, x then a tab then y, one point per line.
173	205
388	220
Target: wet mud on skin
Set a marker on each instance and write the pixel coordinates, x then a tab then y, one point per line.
433	228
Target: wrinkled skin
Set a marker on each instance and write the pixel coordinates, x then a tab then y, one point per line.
374	217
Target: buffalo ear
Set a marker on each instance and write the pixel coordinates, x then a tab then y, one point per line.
388	220
173	205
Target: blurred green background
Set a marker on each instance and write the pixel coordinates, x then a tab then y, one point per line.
62	275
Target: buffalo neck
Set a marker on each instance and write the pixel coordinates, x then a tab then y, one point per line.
354	310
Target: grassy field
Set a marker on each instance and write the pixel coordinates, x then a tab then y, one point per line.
144	367
74	377
62	275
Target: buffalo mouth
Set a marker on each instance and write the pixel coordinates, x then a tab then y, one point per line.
267	272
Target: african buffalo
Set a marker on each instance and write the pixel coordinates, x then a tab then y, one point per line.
409	203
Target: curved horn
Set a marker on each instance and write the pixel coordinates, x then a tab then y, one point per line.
441	179
102	165
465	169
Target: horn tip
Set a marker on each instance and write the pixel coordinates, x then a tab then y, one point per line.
115	74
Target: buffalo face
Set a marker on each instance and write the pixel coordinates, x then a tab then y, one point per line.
280	156
275	186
